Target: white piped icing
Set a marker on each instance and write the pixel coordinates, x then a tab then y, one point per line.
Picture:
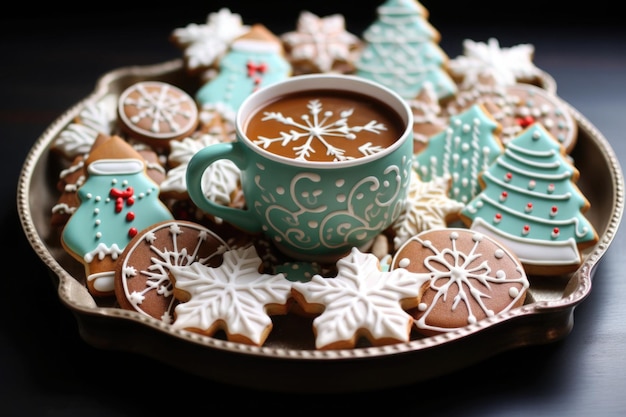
234	295
361	300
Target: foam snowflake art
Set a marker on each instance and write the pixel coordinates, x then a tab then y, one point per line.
362	301
234	297
319	125
506	65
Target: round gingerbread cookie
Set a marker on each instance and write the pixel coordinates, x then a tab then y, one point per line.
472	277
156	112
142	275
528	104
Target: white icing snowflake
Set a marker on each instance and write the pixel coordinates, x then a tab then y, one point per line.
361	300
205	44
218	181
506	65
234	295
318	125
451	268
77	138
163	259
322	41
428	207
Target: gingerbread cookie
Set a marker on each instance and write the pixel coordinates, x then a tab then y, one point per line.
204	45
459	153
401	51
254	60
142	273
507	65
529	201
77	138
117	200
427	207
156	112
471	277
220	181
428	119
320	44
234	297
528	104
362	301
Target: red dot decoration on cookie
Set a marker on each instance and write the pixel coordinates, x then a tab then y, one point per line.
256	71
472	277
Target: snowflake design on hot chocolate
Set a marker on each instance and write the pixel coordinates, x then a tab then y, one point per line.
320	125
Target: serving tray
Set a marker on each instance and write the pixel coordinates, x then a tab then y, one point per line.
288	361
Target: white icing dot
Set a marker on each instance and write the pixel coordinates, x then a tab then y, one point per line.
422	306
96	210
280	190
454	236
500	274
340	182
404	262
313	224
341	198
513	292
499	253
98	235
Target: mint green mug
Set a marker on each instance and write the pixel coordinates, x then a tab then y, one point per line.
325	162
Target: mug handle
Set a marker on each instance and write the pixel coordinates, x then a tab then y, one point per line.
199	163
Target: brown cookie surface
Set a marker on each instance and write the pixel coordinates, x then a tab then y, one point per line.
472	277
142	275
156	112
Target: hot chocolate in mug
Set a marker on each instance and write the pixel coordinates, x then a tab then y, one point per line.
325	163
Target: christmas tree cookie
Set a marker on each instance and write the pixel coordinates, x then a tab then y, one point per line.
117	200
461	152
401	51
530	202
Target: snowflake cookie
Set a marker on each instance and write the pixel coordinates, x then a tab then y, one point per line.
205	44
472	277
233	297
507	65
142	274
361	301
320	44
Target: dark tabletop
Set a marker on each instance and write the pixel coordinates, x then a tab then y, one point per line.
51	60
